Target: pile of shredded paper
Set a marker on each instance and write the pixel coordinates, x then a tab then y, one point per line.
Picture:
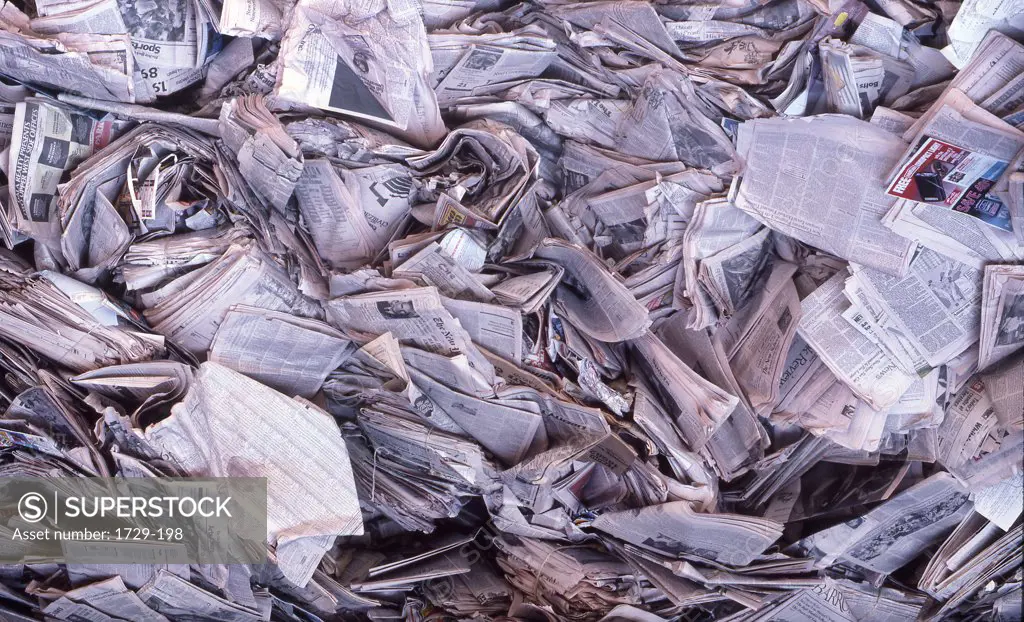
554	311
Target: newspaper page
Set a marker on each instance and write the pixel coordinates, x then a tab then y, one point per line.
89	69
808	178
48	139
484	65
1015	204
825	602
338	64
507	432
98	18
857	79
416	316
386	193
267	156
670	528
1001	503
290	354
998	59
228	422
496	328
853	357
974	20
730	275
335	219
962	167
936	306
109	598
956	119
1002	314
758	351
1004	384
240	276
969	419
590	297
437	268
716	226
956	235
253	18
171	595
165	35
945	174
698	406
890	38
896	531
737	442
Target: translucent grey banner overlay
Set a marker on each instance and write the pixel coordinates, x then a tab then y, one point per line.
133	521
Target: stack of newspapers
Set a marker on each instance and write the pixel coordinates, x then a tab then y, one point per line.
604	311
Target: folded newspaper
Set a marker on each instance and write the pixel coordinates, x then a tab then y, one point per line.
593	311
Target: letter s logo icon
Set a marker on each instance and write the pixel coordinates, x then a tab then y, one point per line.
32	507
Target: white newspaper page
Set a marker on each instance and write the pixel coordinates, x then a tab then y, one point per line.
231	425
853	358
820	180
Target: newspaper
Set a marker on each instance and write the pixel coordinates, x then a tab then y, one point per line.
890	535
49	140
343	230
171	595
945	292
955	178
851	355
267	346
967	422
602	312
337	62
857	80
598	304
480	64
110	598
242	275
1002	324
207	423
266	154
98	66
973	21
415	315
791	185
729	243
961	156
1002	383
253	18
669	527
